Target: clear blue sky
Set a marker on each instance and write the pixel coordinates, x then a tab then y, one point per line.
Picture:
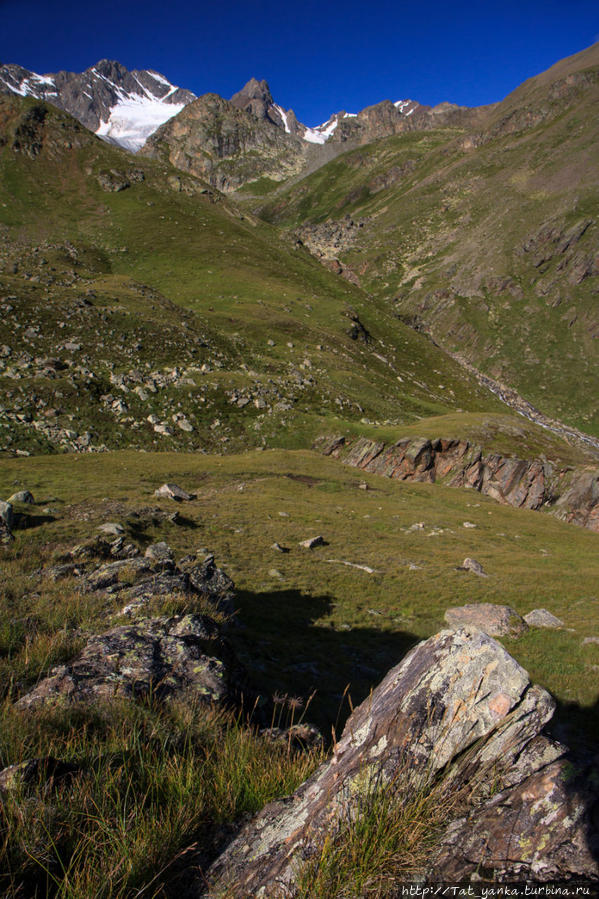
318	56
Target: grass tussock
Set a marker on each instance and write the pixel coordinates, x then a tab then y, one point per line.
149	783
386	838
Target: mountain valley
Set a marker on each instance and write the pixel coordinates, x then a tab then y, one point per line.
278	403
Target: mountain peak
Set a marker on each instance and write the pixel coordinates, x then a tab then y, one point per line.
253	90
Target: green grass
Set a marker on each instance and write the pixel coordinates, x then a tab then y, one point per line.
152	785
443	240
316	636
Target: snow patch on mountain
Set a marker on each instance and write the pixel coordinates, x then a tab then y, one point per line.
135	118
125	108
283	115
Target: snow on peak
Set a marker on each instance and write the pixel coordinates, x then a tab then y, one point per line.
283	115
321	133
135	118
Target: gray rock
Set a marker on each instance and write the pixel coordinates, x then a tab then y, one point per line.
495	620
172	491
6	535
35	771
22	496
159	552
111	529
312	542
158	657
457	691
6	513
540	830
542	618
473	566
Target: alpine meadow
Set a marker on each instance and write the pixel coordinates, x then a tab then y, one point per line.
299	468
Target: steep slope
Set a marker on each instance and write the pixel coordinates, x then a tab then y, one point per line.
486	239
121	106
141	308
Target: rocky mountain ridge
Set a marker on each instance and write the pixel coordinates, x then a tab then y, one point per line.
120	106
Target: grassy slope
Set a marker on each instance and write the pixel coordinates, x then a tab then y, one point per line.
171	272
444	241
308	623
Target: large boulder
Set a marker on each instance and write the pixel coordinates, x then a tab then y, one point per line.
457	702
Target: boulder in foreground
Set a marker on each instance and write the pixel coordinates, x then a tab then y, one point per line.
458	703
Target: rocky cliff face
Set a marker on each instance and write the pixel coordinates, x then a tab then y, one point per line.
215	139
121	106
255	97
573	496
387	118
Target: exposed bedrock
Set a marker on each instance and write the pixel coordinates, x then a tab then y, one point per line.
459	708
527	484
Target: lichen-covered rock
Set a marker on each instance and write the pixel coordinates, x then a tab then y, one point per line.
495	620
6	535
6	513
22	496
158	657
457	691
542	829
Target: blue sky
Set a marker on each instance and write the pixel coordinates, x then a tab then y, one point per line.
318	56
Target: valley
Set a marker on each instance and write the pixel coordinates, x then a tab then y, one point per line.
273	400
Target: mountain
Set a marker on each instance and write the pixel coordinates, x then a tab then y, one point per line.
120	106
142	308
483	234
227	144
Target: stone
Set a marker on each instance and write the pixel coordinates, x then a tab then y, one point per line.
542	618
473	566
22	496
185	425
313	542
278	548
6	514
172	491
158	657
6	535
495	620
159	552
111	529
457	702
541	830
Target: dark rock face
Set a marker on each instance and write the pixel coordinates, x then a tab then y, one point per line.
457	702
457	463
542	829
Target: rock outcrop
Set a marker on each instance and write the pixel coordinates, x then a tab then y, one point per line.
156	657
526	484
457	704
